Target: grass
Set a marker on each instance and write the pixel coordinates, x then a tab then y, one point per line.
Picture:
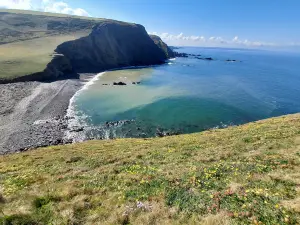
31	56
248	174
28	39
30	49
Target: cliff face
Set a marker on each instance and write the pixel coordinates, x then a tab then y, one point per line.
113	44
163	46
55	46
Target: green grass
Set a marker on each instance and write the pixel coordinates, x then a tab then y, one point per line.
29	38
248	174
31	56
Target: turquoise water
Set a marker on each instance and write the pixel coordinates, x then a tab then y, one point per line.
189	95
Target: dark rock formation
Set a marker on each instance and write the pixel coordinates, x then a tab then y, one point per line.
119	83
194	55
232	60
118	123
208	58
113	44
183	55
162	133
165	48
58	67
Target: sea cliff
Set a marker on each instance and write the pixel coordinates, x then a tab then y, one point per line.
111	45
53	46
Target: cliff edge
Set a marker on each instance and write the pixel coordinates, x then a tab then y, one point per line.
111	45
45	46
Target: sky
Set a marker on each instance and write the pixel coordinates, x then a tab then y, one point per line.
211	23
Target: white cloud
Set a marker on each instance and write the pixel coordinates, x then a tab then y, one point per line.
180	36
16	4
43	5
194	40
235	39
62	7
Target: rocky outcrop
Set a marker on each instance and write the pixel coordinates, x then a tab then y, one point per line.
113	44
119	83
181	54
58	67
163	46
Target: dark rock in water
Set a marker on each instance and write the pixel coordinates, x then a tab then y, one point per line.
195	55
182	55
208	58
104	84
118	123
136	82
119	83
231	60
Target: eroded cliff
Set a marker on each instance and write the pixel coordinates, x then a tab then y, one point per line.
45	46
113	44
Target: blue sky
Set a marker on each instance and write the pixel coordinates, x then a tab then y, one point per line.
244	23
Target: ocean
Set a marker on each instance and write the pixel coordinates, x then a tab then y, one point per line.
188	95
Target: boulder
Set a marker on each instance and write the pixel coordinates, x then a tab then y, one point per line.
119	83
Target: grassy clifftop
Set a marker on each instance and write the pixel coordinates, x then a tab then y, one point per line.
240	175
28	39
29	42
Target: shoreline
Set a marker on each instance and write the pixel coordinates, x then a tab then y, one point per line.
37	114
74	133
33	114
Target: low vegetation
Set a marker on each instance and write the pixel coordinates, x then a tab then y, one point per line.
28	39
29	57
248	174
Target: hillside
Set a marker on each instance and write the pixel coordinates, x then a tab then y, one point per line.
28	41
248	174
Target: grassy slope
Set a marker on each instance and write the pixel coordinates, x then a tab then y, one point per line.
31	56
30	43
30	49
240	175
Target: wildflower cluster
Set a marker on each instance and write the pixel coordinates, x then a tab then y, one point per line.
139	169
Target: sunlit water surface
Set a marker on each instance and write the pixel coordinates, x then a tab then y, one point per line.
188	94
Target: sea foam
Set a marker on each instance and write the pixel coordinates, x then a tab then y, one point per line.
74	120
